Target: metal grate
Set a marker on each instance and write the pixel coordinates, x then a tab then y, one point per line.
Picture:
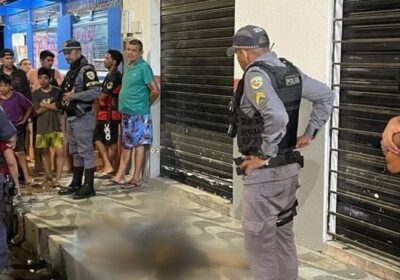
364	199
196	85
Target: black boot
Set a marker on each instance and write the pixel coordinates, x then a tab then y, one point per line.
87	190
76	182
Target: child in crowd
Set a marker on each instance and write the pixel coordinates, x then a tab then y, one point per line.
49	133
18	110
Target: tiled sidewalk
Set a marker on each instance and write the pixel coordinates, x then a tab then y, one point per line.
53	226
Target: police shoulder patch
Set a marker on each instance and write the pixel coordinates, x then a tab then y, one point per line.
260	98
256	82
90	75
109	85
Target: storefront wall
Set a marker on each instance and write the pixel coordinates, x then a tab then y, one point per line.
45	32
96	23
16	34
29	28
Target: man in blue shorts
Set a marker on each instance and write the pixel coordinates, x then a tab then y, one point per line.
139	91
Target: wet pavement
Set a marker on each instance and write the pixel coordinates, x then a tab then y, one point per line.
52	229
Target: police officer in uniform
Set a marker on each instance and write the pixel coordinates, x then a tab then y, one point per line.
265	111
80	88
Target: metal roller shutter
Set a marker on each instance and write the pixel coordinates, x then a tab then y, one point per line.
196	85
364	199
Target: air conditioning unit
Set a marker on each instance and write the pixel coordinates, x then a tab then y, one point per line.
131	28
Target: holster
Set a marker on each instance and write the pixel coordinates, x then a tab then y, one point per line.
78	111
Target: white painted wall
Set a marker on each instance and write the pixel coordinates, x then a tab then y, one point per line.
147	12
301	32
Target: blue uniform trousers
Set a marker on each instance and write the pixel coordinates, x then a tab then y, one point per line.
81	140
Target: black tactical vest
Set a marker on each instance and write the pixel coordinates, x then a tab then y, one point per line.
286	81
68	84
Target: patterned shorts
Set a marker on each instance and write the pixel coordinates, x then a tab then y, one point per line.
136	130
52	139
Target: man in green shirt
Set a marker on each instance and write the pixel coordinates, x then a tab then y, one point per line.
139	90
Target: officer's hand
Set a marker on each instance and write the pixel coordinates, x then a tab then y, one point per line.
303	141
103	96
392	127
68	96
251	162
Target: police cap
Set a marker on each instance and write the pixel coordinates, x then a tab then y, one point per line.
249	37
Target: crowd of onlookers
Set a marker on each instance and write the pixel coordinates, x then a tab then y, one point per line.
30	98
27	97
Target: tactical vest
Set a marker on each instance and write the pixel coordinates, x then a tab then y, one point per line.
286	81
66	86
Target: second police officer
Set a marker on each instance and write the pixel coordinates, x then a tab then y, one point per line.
265	116
80	88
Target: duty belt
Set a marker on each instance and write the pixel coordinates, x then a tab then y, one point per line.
279	160
78	112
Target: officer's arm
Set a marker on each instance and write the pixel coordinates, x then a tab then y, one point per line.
322	99
91	84
263	98
7	130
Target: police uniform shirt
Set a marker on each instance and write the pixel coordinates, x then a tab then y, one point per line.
260	95
87	86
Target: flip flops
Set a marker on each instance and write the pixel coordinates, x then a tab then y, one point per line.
131	185
113	182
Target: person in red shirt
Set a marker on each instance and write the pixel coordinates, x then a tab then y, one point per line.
108	117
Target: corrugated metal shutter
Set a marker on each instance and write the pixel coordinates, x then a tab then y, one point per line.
196	85
367	211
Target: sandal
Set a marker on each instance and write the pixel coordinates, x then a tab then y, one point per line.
103	175
131	185
113	182
30	182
